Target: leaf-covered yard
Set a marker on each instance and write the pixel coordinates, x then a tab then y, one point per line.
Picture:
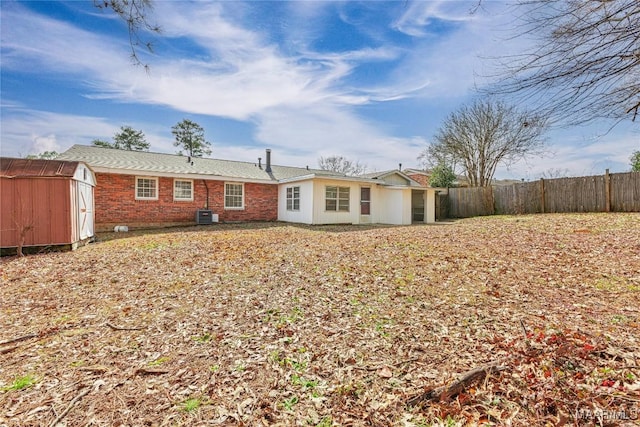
273	324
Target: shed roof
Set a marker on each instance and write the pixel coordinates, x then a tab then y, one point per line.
109	159
21	168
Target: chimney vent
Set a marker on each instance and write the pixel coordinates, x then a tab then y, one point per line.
268	168
400	166
260	162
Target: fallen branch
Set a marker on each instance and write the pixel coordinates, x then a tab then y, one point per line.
94	369
151	371
120	328
22	338
70	406
6	350
524	331
445	393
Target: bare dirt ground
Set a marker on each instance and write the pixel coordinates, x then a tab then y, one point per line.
273	324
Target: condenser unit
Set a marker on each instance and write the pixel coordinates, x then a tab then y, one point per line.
204	216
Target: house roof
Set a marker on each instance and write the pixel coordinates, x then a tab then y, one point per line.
384	175
23	168
132	162
411	171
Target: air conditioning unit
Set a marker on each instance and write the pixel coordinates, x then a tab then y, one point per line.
204	216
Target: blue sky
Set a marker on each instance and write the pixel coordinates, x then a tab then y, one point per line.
371	81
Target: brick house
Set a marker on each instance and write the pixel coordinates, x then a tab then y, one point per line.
142	189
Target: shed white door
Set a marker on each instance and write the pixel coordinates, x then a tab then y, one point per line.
85	210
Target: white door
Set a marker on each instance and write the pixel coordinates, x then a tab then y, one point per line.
85	210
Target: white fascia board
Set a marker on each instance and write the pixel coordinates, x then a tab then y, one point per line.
297	178
329	178
397	187
403	187
181	175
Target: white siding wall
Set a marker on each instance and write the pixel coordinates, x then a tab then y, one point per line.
322	216
305	214
393	206
388	205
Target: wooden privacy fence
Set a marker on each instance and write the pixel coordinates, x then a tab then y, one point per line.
618	192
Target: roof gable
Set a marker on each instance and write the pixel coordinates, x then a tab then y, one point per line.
393	177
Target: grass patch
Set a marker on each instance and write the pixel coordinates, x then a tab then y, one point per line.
20	383
191	405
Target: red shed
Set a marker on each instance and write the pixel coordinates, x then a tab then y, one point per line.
45	203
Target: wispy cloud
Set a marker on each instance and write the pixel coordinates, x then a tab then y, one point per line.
34	42
424	17
581	153
225	59
294	100
28	131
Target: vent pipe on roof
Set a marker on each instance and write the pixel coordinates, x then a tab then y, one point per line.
260	162
268	168
399	166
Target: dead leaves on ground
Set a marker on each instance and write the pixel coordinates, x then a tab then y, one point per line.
287	325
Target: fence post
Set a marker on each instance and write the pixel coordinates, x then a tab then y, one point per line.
607	191
542	194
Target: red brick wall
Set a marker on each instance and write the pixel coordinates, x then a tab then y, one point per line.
115	203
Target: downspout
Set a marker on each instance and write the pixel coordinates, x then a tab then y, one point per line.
206	202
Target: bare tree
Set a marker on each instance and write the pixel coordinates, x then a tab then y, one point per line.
341	164
135	13
482	136
553	173
585	64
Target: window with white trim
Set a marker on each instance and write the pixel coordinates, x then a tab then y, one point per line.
146	188
337	199
293	198
183	189
233	196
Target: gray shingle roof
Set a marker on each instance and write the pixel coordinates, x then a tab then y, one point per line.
124	161
383	174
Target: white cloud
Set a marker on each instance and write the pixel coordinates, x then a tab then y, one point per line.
325	131
30	132
297	100
45	143
580	152
33	43
420	15
455	61
27	131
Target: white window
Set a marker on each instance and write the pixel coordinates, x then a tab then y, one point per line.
146	188
183	189
293	198
337	199
233	196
